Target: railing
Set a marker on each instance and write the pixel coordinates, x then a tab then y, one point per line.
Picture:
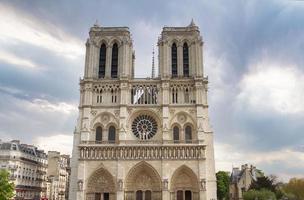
144	93
132	142
164	152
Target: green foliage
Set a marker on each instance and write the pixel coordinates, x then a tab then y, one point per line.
222	181
294	189
6	187
262	194
264	182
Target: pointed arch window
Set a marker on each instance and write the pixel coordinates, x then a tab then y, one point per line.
148	195
188	134
188	195
102	61
112	134
176	134
174	60
139	195
179	195
98	135
114	64
186	60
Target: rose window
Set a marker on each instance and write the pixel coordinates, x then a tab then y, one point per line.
144	127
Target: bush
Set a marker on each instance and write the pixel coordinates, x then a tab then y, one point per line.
259	195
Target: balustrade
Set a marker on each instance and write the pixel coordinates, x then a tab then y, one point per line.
142	152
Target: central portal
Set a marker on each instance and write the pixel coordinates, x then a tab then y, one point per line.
143	183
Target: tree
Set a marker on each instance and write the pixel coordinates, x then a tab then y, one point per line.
268	183
259	194
6	187
264	182
294	188
222	182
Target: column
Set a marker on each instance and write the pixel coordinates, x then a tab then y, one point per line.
108	62
180	60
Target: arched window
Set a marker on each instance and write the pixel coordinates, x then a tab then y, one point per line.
188	195
186	60
112	134
102	61
114	64
176	134
188	134
179	195
98	136
148	195
139	195
106	196
174	60
186	96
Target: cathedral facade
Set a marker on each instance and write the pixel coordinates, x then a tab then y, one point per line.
143	138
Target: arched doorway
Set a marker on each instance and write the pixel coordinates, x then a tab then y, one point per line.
184	184
101	186
143	183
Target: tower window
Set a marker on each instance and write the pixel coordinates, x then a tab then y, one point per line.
174	60
112	134
114	64
98	136
102	61
188	134
186	60
176	134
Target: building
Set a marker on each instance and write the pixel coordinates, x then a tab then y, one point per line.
143	139
58	176
27	166
241	179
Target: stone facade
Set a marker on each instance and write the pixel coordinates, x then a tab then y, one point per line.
241	179
27	166
58	175
143	138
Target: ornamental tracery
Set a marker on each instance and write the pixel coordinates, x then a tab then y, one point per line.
182	93
144	127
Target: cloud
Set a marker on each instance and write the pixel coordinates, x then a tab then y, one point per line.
15	60
25	118
18	26
43	105
57	142
270	87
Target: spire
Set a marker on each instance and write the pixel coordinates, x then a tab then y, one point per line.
192	23
96	24
153	67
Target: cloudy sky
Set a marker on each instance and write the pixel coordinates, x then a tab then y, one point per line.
253	56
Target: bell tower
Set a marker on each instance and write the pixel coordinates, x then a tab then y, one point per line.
180	52
109	53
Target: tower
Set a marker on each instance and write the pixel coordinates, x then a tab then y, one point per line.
143	138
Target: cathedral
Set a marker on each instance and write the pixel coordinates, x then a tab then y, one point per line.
143	138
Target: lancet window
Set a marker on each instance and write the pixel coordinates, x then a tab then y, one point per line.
186	60
174	60
114	63
102	61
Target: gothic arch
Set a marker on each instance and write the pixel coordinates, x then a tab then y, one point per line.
101	181
103	119
103	41
143	177
188	119
174	40
184	179
114	40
